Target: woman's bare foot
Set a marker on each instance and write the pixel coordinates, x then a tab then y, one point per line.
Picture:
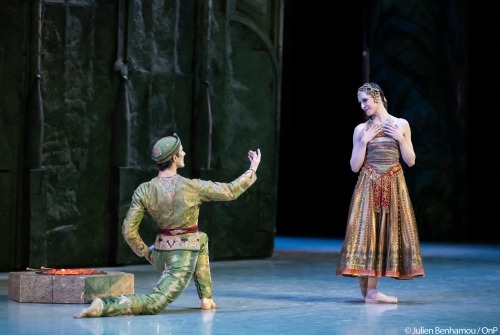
207	303
374	296
93	311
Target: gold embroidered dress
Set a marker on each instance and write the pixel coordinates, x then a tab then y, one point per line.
381	236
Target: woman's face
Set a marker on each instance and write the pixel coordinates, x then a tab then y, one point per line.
368	105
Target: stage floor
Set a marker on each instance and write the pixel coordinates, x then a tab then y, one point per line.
296	292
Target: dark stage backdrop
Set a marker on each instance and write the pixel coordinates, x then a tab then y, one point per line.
483	124
323	68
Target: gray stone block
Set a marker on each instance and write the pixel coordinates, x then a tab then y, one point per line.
68	289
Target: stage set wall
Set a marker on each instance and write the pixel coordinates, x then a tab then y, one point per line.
88	86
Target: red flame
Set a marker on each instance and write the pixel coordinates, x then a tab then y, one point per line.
71	272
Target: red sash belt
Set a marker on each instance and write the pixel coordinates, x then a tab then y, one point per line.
381	184
177	231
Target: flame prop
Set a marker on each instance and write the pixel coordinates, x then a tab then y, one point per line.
50	271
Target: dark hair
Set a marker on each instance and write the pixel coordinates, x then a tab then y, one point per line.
165	165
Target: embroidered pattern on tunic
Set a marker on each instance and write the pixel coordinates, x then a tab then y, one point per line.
164	242
168	186
168	189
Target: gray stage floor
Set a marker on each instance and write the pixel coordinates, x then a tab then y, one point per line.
296	292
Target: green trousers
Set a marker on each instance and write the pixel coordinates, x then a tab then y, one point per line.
177	268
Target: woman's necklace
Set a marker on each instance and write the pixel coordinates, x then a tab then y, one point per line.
387	120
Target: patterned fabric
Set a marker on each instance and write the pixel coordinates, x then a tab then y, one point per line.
160	196
173	203
381	236
178	268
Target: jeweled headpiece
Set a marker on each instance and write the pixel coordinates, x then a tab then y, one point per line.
371	89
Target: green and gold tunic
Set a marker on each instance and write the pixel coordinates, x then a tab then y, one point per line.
180	250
